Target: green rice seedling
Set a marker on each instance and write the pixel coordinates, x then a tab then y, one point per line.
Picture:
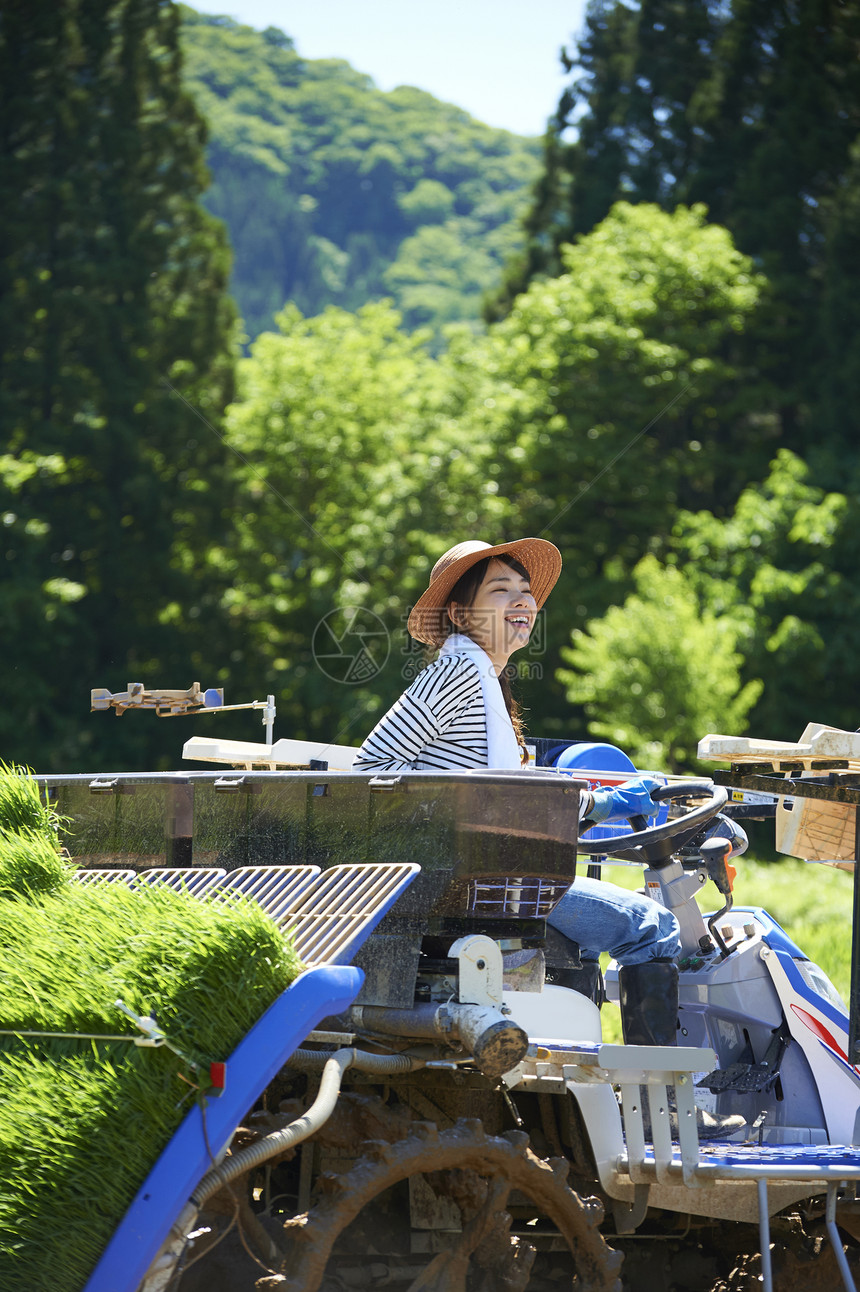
30	865
83	1121
22	806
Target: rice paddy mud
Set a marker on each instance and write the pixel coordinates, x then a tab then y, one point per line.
717	1258
654	1267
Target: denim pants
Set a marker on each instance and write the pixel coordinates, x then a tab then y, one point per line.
603	917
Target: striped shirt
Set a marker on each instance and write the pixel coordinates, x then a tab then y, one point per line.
437	725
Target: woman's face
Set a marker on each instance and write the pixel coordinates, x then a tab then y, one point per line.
502	615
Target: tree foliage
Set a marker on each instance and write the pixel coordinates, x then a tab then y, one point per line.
641	403
783	566
115	328
747	622
336	193
753	108
618	394
658	672
354	470
606	397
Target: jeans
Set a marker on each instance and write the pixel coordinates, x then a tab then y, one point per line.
603	917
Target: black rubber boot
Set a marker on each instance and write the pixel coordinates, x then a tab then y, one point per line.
561	951
648	996
587	980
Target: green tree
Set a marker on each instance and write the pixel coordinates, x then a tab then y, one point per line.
116	332
660	671
627	365
835	366
618	392
752	108
783	566
356	476
748	622
609	395
441	274
429	202
612	395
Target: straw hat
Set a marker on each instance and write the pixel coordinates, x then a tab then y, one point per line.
428	622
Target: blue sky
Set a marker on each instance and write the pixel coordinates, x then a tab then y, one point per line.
498	59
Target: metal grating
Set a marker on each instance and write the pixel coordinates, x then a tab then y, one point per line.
194	880
343	905
278	889
95	878
329	913
517	898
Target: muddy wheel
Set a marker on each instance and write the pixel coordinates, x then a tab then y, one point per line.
481	1172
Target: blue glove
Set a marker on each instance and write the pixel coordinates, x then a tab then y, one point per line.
633	798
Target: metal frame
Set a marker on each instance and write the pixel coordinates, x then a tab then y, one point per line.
632	1164
835	786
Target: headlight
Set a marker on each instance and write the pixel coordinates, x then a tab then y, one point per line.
816	979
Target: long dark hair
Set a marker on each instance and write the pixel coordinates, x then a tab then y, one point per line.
463	593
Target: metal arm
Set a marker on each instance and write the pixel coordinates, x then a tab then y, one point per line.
177	704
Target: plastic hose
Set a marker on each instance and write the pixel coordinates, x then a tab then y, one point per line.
334	1065
364	1061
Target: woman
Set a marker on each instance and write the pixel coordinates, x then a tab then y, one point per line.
459	713
480	607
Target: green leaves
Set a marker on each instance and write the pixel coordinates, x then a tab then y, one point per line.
624	408
116	351
660	671
783	565
617	394
752	109
326	184
355	466
602	400
748	625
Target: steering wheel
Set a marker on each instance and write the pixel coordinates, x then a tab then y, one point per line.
654	845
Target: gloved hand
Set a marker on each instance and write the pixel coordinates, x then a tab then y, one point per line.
633	798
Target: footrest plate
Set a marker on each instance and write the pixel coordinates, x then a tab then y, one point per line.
743	1078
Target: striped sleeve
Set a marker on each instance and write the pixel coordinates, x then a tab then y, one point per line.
444	700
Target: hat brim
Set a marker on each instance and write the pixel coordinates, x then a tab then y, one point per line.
428	622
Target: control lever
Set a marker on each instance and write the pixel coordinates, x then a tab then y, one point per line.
715	859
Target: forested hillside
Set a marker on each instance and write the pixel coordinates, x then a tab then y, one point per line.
336	193
669	389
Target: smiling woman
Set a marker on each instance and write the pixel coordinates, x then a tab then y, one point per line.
493	604
459	713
